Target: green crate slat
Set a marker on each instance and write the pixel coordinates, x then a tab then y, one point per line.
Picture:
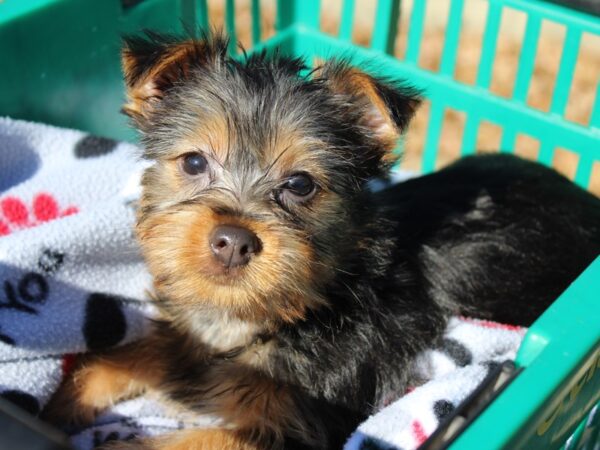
556	13
575	438
415	31
590	437
194	15
508	140
432	139
452	38
347	20
17	8
255	5
488	50
584	171
546	152
566	71
470	135
595	118
527	57
188	15
230	25
300	14
386	26
202	14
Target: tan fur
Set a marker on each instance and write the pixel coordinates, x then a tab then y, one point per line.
208	439
178	254
99	381
360	85
175	237
235	389
174	64
212	137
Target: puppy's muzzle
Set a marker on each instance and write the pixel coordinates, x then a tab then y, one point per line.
233	246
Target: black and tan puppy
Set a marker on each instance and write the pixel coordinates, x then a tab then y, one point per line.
294	299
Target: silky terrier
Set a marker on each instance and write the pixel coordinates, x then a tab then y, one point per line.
293	298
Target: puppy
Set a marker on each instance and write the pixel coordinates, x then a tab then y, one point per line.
294	299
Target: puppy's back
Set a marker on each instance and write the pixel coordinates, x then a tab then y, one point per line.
496	236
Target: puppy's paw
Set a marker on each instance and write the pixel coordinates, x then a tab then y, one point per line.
199	439
74	404
92	388
135	444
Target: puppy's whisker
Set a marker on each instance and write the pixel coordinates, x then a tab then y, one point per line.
356	297
335	268
272	164
213	152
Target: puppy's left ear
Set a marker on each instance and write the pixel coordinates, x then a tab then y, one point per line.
385	107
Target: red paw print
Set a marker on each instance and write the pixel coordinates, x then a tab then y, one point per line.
17	215
68	362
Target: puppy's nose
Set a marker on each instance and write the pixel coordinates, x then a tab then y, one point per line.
233	246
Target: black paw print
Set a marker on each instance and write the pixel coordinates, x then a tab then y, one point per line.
7	339
50	261
105	324
31	290
101	438
94	146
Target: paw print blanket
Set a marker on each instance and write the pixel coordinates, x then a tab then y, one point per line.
72	280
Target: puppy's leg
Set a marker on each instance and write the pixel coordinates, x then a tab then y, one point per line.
257	413
204	439
100	380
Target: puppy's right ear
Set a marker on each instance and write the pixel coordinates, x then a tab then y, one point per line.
155	63
385	106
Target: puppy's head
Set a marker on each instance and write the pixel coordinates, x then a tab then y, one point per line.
253	203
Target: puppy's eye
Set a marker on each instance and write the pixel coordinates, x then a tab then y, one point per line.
299	187
300	184
194	164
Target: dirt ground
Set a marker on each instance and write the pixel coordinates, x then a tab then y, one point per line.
581	98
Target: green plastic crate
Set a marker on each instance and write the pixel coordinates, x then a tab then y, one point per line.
59	64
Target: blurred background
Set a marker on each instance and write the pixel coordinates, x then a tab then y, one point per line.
60	63
512	28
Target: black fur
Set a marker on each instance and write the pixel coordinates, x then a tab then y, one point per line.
493	237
